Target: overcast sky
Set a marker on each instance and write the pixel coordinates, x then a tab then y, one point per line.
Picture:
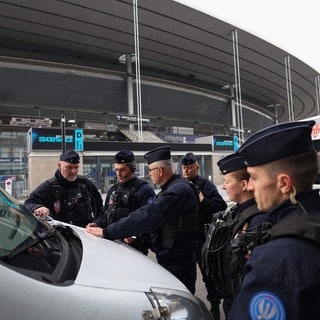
292	25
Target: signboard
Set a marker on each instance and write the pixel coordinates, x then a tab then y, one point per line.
78	140
51	139
225	143
131	118
8	186
177	138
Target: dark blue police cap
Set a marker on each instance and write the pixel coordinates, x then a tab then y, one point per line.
70	156
124	156
158	154
277	142
230	163
188	159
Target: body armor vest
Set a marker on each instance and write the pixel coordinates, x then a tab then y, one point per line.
72	205
302	226
219	260
122	201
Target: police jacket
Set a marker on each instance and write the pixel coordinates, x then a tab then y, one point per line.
283	275
78	202
212	202
172	216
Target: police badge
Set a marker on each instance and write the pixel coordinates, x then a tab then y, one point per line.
57	206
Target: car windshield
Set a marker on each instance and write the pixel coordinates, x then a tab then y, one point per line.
16	224
35	247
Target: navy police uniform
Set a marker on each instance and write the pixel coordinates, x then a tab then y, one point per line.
172	217
222	264
77	202
124	198
211	203
283	274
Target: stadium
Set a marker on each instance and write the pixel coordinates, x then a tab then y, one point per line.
135	74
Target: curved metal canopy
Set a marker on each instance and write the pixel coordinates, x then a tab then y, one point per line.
58	55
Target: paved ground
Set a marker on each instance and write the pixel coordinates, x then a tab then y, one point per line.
201	293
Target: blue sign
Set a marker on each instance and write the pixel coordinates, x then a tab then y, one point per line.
51	139
78	140
235	143
225	143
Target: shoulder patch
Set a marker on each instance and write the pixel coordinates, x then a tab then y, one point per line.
266	305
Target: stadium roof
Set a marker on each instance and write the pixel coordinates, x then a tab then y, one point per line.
58	55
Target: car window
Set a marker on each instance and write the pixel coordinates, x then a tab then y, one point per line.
36	248
16	224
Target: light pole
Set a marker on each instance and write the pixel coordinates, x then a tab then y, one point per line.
63	133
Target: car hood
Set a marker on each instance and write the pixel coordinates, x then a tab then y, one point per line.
108	264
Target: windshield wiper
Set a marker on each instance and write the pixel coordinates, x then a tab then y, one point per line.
32	242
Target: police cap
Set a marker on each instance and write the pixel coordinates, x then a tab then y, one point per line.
70	156
277	142
230	163
188	159
124	156
158	154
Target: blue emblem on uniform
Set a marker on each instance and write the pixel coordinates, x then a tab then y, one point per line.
266	306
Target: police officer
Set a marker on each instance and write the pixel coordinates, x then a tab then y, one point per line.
282	278
172	217
127	195
67	197
210	202
227	266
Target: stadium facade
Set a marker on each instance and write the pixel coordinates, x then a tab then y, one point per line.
135	74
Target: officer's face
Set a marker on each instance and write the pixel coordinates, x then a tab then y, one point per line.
69	170
123	172
154	173
190	171
265	187
234	187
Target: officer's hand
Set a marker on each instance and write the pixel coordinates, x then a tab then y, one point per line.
41	212
91	224
95	231
201	196
129	240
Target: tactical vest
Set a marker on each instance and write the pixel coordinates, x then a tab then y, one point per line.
219	260
122	201
187	227
302	226
72	205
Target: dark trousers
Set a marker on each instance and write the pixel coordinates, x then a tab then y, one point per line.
186	273
227	303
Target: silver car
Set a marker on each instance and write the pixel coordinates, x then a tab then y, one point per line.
58	271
